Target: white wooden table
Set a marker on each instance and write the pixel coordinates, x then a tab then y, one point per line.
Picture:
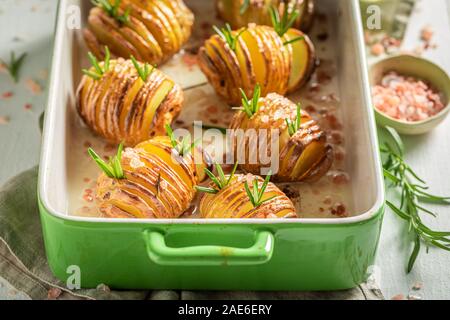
27	25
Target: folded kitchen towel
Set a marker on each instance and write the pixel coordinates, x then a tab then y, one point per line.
25	274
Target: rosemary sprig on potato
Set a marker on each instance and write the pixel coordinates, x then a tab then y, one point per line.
113	10
14	65
251	106
293	126
220	182
256	195
413	193
112	168
228	36
99	71
143	71
183	147
283	23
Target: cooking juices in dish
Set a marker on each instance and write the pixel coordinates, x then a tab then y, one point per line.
311	134
406	98
151	30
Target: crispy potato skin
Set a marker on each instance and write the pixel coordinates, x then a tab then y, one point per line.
121	107
233	201
258	12
156	30
158	183
260	57
305	156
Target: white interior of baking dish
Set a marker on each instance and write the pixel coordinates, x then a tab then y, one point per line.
56	172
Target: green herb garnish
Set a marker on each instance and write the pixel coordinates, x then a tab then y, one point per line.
283	23
251	106
293	126
257	194
220	182
413	193
227	35
14	65
293	40
144	71
244	6
98	70
113	167
182	147
113	10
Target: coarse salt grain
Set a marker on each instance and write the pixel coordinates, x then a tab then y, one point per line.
406	98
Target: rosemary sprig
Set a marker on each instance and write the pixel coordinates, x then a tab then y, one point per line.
99	71
257	194
244	6
182	147
14	65
221	181
145	71
293	40
113	167
113	10
228	35
293	126
251	106
413	193
283	23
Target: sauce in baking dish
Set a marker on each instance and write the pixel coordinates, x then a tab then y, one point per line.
330	197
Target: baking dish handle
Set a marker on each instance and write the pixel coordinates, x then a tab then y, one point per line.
208	255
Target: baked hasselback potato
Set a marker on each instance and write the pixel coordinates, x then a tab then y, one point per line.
243	196
304	154
238	13
150	30
257	55
152	180
127	101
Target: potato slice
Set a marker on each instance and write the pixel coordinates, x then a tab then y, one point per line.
233	201
303	59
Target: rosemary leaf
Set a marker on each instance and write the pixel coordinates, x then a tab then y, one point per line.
411	188
14	65
206	190
244	6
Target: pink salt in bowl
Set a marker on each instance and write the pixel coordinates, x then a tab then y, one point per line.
421	69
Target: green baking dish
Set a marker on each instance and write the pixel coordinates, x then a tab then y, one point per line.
222	254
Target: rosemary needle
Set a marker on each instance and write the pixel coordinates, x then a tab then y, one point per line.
14	65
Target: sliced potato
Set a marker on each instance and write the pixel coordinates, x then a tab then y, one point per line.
304	62
155	30
304	156
258	12
233	201
155	185
120	106
261	57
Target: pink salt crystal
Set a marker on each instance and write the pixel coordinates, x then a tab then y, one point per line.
53	293
377	49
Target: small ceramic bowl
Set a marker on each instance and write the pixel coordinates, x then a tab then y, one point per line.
419	68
